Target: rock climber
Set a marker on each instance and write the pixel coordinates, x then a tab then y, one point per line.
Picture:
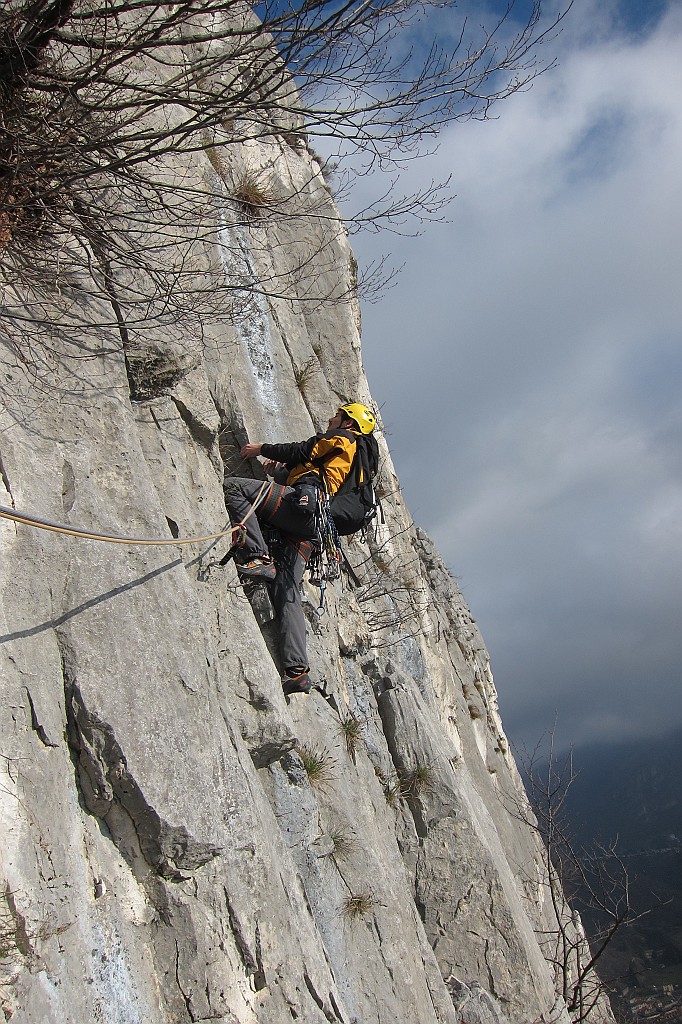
289	505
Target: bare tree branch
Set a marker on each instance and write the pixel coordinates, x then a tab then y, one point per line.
124	124
578	882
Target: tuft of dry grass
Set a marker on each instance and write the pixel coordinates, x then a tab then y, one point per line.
417	780
358	904
319	765
393	792
344	842
253	194
351	733
304	374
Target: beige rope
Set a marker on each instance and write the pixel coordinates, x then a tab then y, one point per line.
110	538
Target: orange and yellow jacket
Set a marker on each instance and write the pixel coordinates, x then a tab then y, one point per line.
330	454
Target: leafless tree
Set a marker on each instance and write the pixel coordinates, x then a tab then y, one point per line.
119	121
578	882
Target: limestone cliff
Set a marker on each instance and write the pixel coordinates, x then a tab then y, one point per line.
180	842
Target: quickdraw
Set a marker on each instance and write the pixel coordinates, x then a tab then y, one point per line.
324	564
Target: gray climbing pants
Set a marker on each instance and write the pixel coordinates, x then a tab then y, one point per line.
298	531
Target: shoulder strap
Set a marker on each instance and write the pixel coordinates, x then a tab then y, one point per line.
368	456
321	462
337	433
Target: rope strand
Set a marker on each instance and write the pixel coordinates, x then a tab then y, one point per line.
111	538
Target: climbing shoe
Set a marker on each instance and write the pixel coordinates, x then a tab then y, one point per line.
257	569
296	682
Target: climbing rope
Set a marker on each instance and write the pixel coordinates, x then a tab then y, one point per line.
111	538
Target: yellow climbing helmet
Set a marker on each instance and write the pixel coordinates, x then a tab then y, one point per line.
361	415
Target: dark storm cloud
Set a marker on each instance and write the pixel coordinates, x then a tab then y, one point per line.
529	363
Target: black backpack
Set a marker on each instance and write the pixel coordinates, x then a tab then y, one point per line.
355	503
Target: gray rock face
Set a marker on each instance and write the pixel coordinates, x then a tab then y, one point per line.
181	843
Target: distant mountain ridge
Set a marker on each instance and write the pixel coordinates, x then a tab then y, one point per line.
630	792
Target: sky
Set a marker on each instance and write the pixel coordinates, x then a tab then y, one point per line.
528	365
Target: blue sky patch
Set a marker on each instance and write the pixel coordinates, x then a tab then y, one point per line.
639	17
599	149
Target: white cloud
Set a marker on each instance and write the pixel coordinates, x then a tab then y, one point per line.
538	338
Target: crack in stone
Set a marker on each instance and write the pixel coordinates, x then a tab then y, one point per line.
488	966
202	434
68	487
387	717
35	723
5	480
108	788
319	1001
186	999
252	961
335	1006
463	901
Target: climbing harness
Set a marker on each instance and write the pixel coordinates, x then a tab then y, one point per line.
238	531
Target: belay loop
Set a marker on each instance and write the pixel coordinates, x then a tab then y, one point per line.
324	564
